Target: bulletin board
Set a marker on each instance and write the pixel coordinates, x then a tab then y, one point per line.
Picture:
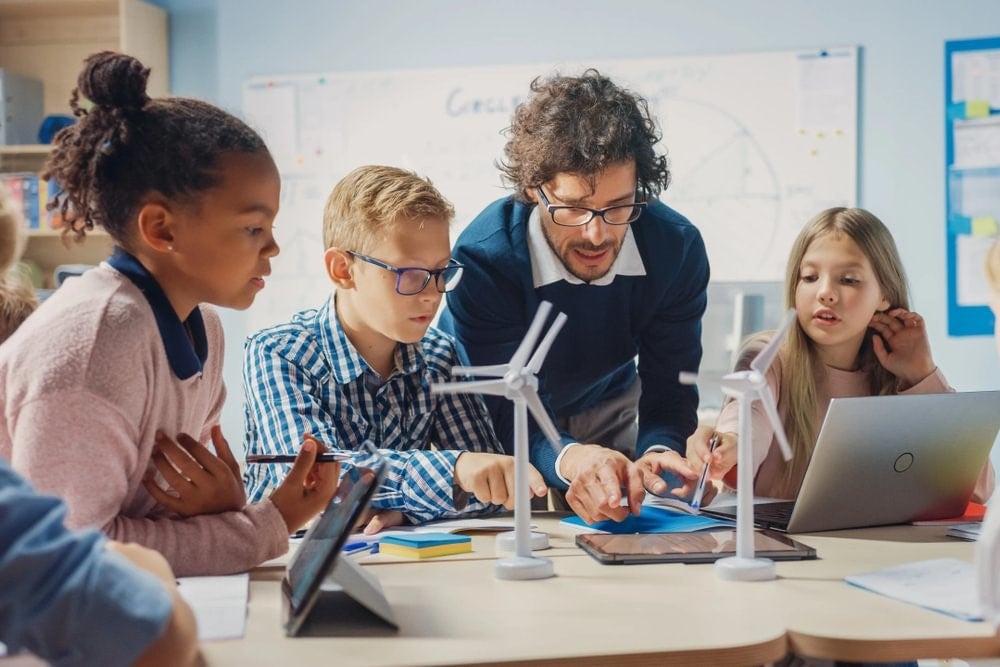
972	178
758	143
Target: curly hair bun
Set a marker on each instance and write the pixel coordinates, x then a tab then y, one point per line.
114	81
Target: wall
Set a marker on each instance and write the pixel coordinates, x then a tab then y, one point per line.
216	45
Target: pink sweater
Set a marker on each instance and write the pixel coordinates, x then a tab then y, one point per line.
768	462
85	384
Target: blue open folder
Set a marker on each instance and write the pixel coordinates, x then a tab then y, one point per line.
652	520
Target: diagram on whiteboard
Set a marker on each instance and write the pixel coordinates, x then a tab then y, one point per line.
758	144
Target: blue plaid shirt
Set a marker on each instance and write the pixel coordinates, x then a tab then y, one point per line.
306	377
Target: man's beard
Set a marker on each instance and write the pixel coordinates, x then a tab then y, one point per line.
587	247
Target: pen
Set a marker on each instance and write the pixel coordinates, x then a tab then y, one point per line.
700	489
325	457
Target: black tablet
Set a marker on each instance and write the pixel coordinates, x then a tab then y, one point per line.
700	547
321	545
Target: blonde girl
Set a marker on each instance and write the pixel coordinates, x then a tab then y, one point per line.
855	336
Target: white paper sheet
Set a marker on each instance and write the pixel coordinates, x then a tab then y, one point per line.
219	604
945	585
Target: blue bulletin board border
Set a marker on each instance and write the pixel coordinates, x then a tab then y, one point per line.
962	320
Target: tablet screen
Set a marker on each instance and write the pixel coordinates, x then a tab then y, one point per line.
320	546
699	547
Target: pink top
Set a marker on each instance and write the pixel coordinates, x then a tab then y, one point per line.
768	462
85	383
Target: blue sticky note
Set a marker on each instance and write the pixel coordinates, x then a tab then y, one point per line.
421	540
653	520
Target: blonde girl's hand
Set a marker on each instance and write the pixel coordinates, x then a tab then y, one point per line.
901	345
200	482
721	460
308	488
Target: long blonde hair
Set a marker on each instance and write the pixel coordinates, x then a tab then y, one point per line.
993	266
801	368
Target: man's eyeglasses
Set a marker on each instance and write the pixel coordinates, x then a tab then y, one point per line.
411	280
578	216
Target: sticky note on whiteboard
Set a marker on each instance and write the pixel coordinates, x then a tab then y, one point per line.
977	108
984	225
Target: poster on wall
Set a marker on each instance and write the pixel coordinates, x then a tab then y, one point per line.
972	178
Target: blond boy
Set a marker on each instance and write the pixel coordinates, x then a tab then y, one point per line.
360	366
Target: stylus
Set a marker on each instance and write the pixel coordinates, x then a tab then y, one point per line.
324	457
700	489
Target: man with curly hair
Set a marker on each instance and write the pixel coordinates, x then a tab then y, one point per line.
584	229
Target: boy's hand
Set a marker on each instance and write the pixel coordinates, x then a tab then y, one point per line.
202	483
307	489
902	346
490	478
382	519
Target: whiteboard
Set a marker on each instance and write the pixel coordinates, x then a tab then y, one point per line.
758	143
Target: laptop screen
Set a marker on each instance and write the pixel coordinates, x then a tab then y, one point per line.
318	551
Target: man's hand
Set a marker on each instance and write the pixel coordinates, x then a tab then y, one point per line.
653	463
202	483
490	478
597	476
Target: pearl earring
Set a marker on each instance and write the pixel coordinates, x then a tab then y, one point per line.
170	248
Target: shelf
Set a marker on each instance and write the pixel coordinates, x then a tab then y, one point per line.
27	158
49	249
49	40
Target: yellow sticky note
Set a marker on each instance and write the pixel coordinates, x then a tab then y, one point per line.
977	108
984	225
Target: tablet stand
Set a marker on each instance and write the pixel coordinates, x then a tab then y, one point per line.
350	604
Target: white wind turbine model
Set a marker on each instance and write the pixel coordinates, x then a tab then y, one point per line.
516	380
747	387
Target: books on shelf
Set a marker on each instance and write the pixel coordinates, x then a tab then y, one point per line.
28	195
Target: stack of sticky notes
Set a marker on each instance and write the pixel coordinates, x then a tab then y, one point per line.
425	545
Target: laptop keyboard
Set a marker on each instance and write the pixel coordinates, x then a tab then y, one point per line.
776	515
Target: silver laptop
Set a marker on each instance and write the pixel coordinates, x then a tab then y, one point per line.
889	459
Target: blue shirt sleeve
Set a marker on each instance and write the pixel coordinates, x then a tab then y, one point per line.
63	596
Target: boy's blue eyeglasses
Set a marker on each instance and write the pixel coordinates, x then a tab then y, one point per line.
579	216
411	280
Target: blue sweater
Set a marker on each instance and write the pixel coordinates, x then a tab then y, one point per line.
656	316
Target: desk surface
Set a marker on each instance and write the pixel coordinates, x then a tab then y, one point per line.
456	612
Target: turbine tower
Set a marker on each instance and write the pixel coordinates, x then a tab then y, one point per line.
747	387
517	381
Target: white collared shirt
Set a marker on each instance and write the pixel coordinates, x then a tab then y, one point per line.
547	268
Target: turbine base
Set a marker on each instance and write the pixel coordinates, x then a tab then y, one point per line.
735	568
520	568
507	541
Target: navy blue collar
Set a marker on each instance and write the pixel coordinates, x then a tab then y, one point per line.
184	342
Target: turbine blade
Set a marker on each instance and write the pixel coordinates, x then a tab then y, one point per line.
496	370
495	387
528	344
543	348
763	360
687	377
771	409
541	416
